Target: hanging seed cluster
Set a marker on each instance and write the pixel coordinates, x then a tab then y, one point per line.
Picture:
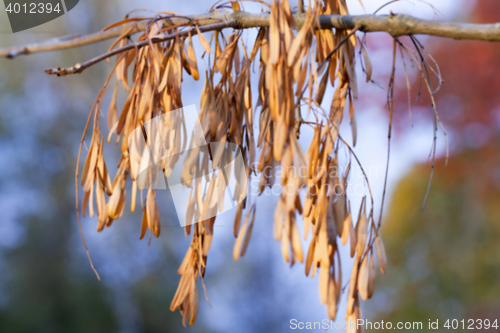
294	71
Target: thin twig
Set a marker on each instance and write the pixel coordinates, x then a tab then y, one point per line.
418	46
408	86
337	47
391	109
435	114
434	146
436	72
82	143
78	68
353	154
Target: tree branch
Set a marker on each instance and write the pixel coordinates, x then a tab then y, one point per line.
67	42
395	25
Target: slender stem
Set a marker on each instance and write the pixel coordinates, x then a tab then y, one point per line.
391	109
78	68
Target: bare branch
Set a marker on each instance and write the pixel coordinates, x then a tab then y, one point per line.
67	42
78	68
395	25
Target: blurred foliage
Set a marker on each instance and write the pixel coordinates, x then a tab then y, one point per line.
468	100
444	262
41	295
39	292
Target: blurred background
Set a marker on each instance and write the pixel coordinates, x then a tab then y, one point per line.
444	262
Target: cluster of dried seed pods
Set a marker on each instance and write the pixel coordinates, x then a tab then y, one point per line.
294	72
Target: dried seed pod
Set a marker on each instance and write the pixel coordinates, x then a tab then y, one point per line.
191	58
244	235
112	112
382	259
364	278
362	229
368	63
203	41
310	255
153	214
332	298
116	201
352	294
293	76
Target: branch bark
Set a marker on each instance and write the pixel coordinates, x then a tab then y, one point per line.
395	25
